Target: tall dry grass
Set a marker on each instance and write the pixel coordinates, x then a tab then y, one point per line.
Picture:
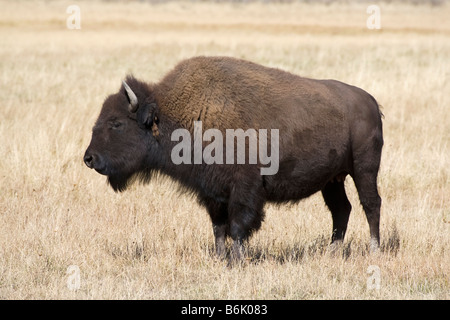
153	243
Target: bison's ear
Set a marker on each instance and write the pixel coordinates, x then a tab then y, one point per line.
147	117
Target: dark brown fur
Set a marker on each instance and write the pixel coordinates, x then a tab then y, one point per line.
327	129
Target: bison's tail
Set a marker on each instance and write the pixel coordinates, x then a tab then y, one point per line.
379	110
379	106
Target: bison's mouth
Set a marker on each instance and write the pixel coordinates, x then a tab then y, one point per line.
102	171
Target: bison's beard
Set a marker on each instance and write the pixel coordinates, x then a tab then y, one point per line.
121	181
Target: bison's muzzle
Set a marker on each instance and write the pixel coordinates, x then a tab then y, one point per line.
94	161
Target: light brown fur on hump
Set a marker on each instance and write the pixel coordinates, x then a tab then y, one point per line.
219	92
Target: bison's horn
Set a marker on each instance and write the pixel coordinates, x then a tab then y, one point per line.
133	99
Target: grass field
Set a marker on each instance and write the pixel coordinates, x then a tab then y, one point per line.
154	243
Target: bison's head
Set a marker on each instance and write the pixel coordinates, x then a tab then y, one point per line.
124	135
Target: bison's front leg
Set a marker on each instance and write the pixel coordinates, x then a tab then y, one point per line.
237	251
218	212
245	214
220	235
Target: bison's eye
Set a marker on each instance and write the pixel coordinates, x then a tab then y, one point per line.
115	124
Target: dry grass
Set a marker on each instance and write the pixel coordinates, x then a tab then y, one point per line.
152	243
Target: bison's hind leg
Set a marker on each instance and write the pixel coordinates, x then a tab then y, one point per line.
366	184
366	165
337	201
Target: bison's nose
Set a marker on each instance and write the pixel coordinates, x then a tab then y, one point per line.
89	160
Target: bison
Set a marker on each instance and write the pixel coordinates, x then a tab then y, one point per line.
327	130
